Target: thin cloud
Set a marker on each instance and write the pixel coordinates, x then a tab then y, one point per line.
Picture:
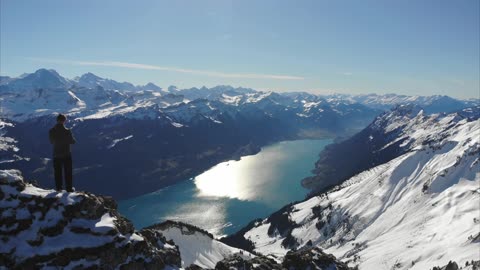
172	69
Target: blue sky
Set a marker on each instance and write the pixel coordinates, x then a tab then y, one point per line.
409	47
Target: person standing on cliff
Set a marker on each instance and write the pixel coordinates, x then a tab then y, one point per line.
61	138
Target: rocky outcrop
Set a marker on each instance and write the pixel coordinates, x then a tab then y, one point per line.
44	228
312	258
309	258
258	263
452	265
185	227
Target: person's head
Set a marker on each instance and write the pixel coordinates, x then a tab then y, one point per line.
61	118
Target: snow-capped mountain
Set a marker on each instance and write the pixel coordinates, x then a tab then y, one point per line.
90	80
46	229
416	210
430	104
384	139
42	78
213	93
45	92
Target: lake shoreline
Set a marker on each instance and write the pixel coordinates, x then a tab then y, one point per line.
232	193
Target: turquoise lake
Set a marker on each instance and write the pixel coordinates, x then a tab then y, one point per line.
229	195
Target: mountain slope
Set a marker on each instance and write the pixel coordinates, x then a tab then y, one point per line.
418	210
391	134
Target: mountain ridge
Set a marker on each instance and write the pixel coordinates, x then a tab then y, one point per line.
41	81
396	206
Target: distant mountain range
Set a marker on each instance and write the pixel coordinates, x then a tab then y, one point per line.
45	91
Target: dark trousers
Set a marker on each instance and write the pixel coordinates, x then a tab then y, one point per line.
63	164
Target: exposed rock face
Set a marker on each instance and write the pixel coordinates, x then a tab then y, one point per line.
258	263
44	228
313	258
186	228
310	258
452	265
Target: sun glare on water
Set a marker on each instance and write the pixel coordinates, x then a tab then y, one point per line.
238	179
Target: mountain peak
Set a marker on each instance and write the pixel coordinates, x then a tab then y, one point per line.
42	78
90	75
408	109
150	86
43	72
172	89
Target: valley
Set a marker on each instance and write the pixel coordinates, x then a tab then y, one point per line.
229	195
222	176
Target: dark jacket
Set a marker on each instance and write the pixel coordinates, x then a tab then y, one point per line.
61	138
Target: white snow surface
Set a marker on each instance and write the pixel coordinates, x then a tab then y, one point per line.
198	248
8	145
116	141
421	209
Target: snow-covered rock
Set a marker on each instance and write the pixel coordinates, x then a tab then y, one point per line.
196	245
308	258
46	229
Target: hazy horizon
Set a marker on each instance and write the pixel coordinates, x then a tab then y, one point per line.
164	87
410	48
